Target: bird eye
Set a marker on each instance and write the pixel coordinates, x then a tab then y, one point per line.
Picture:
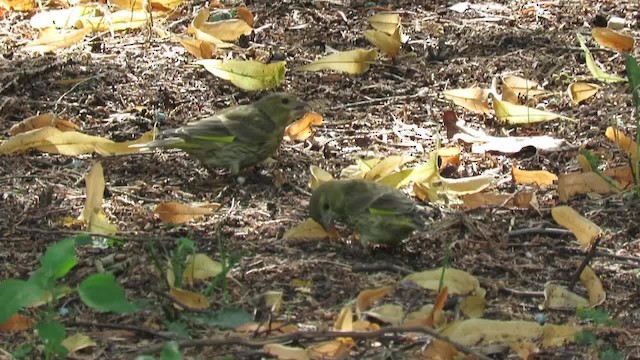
285	101
325	206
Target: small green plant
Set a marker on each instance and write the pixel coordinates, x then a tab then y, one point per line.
588	337
633	74
98	291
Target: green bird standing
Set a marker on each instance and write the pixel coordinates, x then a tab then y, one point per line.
379	213
239	136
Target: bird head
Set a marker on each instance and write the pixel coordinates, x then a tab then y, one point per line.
324	206
283	107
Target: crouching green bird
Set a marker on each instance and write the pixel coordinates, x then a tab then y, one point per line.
379	213
236	137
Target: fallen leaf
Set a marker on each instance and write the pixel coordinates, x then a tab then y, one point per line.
468	185
457	281
302	129
558	335
387	166
307	230
244	14
222	31
283	352
585	231
612	39
16	323
557	297
388	44
522	87
392	314
538	177
40	121
385	22
200	267
474	99
199	28
18	5
352	62
344	322
198	48
77	342
624	142
595	70
247	74
368	297
518	114
189	298
177	213
592	283
580	91
476	332
95	184
52	39
573	184
61	18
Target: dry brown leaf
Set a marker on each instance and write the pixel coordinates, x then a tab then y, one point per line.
593	285
437	350
40	121
177	213
584	230
622	174
94	183
579	91
521	87
476	332
474	99
53	39
16	322
354	62
449	157
302	129
245	15
283	352
333	349
199	48
366	298
623	141
538	177
573	184
612	39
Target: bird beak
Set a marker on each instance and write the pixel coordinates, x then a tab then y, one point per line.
301	109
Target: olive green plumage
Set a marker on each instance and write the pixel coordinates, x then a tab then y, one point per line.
379	213
239	136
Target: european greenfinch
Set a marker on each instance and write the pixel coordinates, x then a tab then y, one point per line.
236	137
379	213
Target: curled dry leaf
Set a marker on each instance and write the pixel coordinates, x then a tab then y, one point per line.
558	298
386	22
77	342
474	99
538	177
244	14
392	314
366	298
318	176
198	48
612	39
623	141
218	32
354	62
593	285
573	184
302	128
199	29
580	91
388	44
40	121
177	213
584	230
468	185
332	349
51	39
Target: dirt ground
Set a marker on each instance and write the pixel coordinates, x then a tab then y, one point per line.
138	81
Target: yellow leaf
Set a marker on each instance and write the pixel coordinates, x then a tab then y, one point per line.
200	267
224	30
475	332
518	114
53	40
40	121
189	298
388	313
593	285
98	223
247	74
307	230
624	142
199	29
121	20
177	213
612	39
558	298
352	62
318	176
344	322
77	342
582	183
389	44
584	230
124	147
595	70
538	177
459	282
522	87
579	91
368	297
468	185
94	183
387	166
474	99
18	5
558	335
385	22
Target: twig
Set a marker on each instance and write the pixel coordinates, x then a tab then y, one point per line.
121	327
539	231
585	262
315	336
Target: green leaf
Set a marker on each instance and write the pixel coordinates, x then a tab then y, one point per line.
102	292
633	74
14	295
585	337
170	351
56	262
226	318
597	316
23	351
52	333
611	354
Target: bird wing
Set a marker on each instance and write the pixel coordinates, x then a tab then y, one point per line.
246	123
390	203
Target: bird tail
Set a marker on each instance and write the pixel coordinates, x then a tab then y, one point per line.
161	143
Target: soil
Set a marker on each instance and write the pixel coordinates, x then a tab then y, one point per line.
135	81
